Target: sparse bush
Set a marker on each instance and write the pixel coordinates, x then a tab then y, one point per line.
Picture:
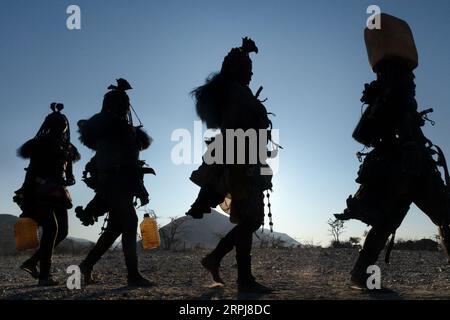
355	241
422	244
171	235
263	243
277	242
342	245
336	229
309	244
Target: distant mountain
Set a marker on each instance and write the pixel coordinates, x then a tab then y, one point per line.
72	245
206	232
8	245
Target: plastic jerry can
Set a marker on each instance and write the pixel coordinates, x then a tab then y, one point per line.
26	234
394	40
149	233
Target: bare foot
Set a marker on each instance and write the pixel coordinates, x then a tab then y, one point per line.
31	269
212	265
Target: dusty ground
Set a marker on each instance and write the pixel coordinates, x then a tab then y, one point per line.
295	273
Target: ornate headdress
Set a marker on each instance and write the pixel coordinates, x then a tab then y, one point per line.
238	58
55	124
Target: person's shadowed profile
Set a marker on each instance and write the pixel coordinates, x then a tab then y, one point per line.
43	196
403	166
116	175
226	102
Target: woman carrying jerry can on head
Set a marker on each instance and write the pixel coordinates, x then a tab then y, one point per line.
43	197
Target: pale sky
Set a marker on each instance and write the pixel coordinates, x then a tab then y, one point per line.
312	64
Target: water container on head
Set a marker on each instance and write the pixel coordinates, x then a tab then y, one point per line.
394	40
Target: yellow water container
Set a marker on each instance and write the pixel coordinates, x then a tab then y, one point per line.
149	233
26	234
393	40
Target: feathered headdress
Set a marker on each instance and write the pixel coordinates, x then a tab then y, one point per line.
237	58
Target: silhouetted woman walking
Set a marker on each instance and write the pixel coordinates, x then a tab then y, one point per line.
117	144
226	102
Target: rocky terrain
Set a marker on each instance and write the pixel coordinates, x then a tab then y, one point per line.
295	273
